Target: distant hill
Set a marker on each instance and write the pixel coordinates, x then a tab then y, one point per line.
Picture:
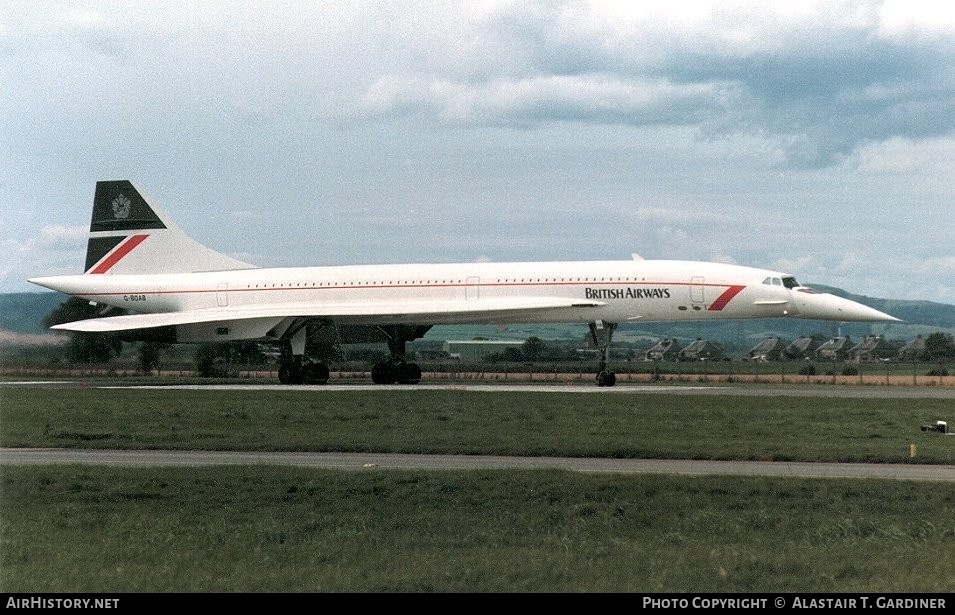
24	312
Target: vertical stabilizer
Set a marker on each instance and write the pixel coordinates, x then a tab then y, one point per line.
128	235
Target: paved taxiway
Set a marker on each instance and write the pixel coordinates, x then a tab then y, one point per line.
390	461
747	389
370	461
770	390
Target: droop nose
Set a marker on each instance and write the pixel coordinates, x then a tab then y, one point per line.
823	306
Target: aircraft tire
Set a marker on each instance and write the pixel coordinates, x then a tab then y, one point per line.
291	374
606	379
409	373
384	373
315	373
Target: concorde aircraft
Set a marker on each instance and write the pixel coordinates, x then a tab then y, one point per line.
178	290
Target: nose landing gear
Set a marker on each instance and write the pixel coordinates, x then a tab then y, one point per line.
601	334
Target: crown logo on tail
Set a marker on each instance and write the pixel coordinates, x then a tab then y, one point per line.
121	207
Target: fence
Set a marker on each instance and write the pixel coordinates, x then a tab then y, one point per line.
746	372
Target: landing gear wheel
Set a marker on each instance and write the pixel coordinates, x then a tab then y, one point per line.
384	373
409	373
315	373
601	334
606	379
291	374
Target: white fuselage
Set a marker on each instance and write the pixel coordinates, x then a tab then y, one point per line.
614	291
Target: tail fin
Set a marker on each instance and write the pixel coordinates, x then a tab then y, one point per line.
128	235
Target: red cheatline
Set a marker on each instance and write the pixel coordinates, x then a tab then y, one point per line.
122	250
725	298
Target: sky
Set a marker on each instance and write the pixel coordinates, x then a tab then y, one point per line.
815	138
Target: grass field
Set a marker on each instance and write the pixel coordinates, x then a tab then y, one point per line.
100	529
96	529
506	423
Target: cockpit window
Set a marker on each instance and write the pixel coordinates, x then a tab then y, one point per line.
788	282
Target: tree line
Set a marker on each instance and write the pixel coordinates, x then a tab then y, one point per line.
216	359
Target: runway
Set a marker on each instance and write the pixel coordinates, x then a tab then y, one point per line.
748	389
389	461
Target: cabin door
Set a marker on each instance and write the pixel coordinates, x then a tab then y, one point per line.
697	290
472	288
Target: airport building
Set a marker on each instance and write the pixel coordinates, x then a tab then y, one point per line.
802	349
702	350
836	349
476	350
913	350
873	348
664	350
770	349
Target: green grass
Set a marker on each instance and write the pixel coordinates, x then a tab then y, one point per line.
100	529
507	423
96	529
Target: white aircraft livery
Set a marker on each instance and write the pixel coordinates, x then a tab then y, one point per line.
178	290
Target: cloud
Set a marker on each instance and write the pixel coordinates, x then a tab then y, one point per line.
900	155
53	237
817	79
936	274
246	215
918	19
798	264
58	237
676	216
55	250
943	264
578	98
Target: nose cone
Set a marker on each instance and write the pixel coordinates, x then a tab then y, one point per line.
67	284
856	312
44	282
823	306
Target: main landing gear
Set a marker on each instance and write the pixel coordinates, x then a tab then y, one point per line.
302	370
294	366
601	333
396	369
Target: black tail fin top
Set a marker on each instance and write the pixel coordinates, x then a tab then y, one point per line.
118	206
129	235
